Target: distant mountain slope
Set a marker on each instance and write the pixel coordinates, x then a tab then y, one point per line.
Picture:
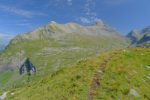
4	40
140	37
123	74
61	42
145	39
58	31
58	45
1	46
134	36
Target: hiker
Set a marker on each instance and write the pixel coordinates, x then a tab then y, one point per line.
28	66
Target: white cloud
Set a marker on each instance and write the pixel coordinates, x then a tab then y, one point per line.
85	20
89	20
90	15
69	2
5	38
89	11
115	2
23	24
21	12
89	7
59	3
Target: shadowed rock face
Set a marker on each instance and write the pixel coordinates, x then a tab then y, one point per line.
140	37
146	36
134	36
146	30
145	39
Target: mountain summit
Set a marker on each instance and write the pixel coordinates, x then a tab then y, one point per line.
134	36
55	30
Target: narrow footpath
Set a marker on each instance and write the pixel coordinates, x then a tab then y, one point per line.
97	77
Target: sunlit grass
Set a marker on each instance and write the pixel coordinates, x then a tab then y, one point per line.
127	70
124	72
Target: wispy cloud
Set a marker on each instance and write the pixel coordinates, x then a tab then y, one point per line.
23	24
90	15
115	2
58	3
69	2
21	12
4	40
6	36
89	8
89	20
84	20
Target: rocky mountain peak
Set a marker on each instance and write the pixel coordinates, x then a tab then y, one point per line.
57	31
146	30
139	37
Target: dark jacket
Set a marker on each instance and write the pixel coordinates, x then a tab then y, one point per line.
27	66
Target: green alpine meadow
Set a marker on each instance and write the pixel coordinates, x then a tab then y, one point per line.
78	56
94	62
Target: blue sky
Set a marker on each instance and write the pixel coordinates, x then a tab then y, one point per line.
20	16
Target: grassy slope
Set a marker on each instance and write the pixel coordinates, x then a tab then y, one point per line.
49	55
4	78
67	83
127	70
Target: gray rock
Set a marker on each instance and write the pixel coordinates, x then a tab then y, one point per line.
3	96
134	93
148	67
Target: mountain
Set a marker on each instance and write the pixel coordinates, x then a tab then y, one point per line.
139	37
134	36
4	40
145	38
61	42
55	46
59	31
75	62
1	46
